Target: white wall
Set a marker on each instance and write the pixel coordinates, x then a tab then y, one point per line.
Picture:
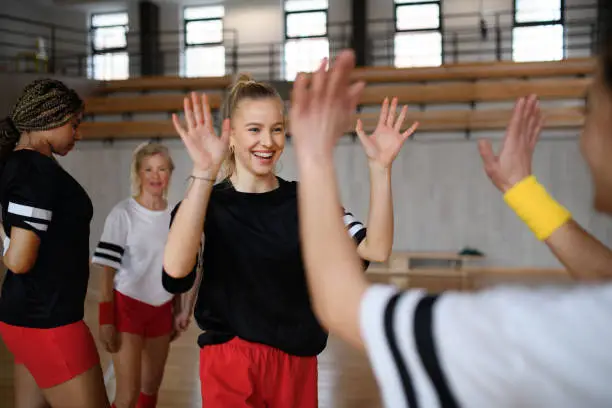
443	200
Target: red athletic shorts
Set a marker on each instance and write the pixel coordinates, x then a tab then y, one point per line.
136	317
240	374
52	356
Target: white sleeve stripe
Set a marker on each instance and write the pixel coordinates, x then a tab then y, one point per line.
110	252
349	219
355	229
425	345
31	212
105	261
37	225
6	244
392	343
372	329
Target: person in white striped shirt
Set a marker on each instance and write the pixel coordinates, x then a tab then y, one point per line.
500	347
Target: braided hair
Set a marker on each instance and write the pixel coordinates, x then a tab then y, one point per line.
43	105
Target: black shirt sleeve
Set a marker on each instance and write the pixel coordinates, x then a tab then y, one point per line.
356	230
29	198
180	285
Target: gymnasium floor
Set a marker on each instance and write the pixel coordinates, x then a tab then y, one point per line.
345	379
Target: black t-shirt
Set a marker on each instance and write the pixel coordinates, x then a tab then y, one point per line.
253	283
38	195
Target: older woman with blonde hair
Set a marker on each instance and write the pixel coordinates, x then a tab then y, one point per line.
136	312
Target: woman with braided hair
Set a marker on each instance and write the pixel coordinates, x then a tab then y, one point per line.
46	216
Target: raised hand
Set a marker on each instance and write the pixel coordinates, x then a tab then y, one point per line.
384	144
322	106
206	149
513	163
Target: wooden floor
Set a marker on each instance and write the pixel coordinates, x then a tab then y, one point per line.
345	378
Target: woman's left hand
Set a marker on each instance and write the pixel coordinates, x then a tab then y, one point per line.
383	145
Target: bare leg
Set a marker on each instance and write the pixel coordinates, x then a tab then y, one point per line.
127	362
153	363
83	391
27	393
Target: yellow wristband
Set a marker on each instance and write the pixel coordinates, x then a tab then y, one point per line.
542	214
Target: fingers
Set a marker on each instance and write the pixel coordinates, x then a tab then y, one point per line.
319	80
189	117
514	126
299	96
400	119
530	116
410	131
535	135
339	75
363	137
177	125
355	92
392	110
384	112
208	121
198	117
225	130
486	153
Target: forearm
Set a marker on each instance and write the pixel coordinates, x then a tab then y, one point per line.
185	232
188	299
582	254
333	268
107	283
378	243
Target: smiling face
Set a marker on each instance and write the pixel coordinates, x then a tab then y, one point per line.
154	174
258	135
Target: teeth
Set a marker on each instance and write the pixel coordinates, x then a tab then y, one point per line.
263	155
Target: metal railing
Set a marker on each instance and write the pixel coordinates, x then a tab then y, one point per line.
29	45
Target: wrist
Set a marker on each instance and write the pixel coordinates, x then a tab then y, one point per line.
378	171
308	161
204	174
532	203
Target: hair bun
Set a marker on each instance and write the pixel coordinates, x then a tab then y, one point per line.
244	77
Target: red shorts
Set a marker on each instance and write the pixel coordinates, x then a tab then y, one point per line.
52	356
136	317
240	374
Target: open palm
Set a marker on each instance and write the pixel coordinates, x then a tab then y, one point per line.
383	145
206	149
513	162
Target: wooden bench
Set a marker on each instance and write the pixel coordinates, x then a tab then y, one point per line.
477	71
460	120
165	83
483	91
105	105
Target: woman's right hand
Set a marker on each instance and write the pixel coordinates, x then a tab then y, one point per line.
206	149
108	338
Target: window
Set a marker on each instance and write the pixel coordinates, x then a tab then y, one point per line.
538	33
418	33
109	59
204	49
306	42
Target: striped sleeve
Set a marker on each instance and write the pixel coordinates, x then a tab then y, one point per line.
489	349
111	247
355	228
30	201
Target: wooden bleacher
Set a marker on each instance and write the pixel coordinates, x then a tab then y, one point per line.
439	271
461	83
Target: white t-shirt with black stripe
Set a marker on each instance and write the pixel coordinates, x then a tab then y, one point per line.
502	347
133	243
